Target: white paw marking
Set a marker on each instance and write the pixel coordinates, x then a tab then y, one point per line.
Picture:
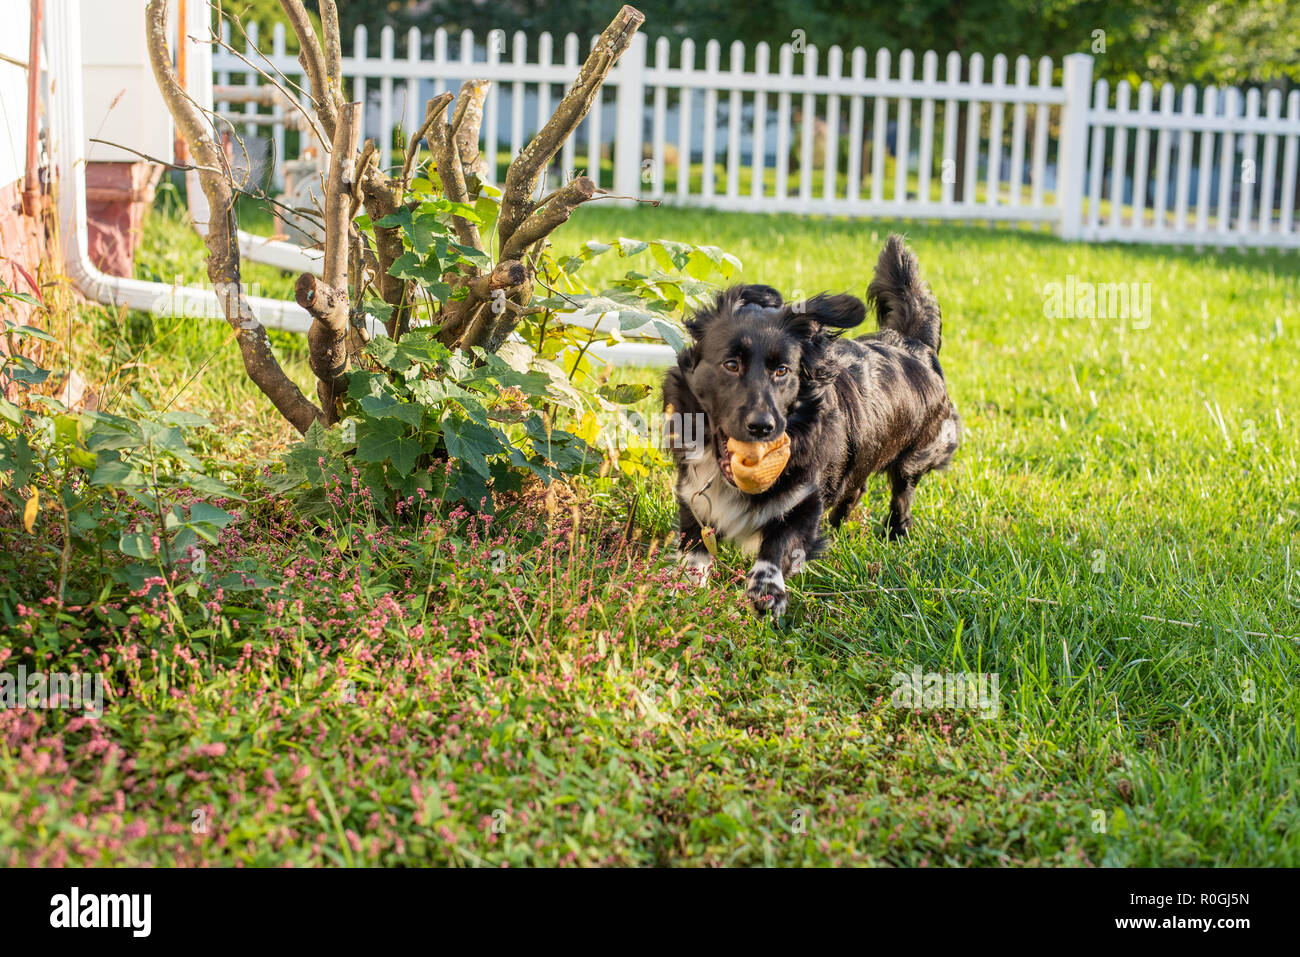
765	588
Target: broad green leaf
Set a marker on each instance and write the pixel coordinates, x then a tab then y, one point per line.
207	485
201	513
471	443
136	545
387	440
186	420
117	475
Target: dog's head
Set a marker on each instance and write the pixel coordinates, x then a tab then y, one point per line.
757	361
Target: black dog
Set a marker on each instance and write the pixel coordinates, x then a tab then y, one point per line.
759	367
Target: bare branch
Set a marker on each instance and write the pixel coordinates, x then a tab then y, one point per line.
312	58
248	42
327	298
432	113
329	18
222	237
338	195
183	167
381	197
525	170
504	274
289	97
546	218
466	124
452	174
518	302
481	302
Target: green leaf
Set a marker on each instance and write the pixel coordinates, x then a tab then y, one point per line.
625	394
435	391
569	452
438	290
26	330
83	459
488	210
384	351
287	481
104	431
669	332
136	545
116	474
385	406
201	513
24	370
207	485
161	437
468	486
663	257
475	256
49	401
412	266
471	443
387	439
186	420
631	247
381	310
419	345
66	429
420	226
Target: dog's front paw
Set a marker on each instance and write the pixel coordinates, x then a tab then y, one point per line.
765	589
696	564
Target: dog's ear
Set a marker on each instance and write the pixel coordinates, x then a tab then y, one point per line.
812	317
756	295
731	301
687	357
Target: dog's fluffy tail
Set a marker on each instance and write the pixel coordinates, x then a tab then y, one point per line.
904	302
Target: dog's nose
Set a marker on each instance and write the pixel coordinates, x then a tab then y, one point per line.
760	425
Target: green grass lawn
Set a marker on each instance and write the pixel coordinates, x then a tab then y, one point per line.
1118	541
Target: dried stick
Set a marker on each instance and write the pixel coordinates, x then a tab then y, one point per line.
312	58
466	124
432	113
289	97
222	238
546	218
447	157
526	169
326	298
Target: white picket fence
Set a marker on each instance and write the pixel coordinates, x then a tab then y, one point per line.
740	136
1183	190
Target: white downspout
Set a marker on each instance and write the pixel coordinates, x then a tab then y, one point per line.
69	148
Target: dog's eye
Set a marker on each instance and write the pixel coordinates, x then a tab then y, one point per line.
780	372
732	365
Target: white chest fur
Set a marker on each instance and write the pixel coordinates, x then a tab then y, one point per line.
735	516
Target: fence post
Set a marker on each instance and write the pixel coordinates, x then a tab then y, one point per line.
629	127
1072	159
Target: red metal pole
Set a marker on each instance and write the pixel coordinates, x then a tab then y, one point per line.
178	146
31	179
